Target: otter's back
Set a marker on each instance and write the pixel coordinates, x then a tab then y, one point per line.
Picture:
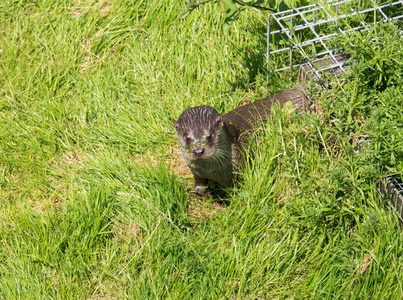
245	118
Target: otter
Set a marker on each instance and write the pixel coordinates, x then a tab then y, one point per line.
213	145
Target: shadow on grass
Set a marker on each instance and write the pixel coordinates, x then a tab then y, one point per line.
216	194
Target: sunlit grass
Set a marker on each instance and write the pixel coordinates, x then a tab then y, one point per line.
95	203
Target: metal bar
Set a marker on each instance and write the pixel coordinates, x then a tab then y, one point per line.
290	10
385	16
291	46
314	21
268	49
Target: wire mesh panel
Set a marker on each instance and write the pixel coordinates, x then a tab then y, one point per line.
306	38
309	34
391	189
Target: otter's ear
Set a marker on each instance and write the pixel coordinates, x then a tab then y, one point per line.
219	121
176	124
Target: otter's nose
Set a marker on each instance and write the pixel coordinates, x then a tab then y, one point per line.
198	151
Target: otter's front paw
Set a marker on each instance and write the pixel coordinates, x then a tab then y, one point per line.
200	185
200	190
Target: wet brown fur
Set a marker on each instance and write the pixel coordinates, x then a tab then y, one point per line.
213	144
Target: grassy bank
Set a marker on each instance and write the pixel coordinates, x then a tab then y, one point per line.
95	198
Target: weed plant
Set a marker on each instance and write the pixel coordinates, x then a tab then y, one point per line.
96	202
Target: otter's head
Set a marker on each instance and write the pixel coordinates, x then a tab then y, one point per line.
198	130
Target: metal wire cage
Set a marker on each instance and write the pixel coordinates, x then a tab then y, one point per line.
391	189
309	34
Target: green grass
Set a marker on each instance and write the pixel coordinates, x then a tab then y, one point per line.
94	200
